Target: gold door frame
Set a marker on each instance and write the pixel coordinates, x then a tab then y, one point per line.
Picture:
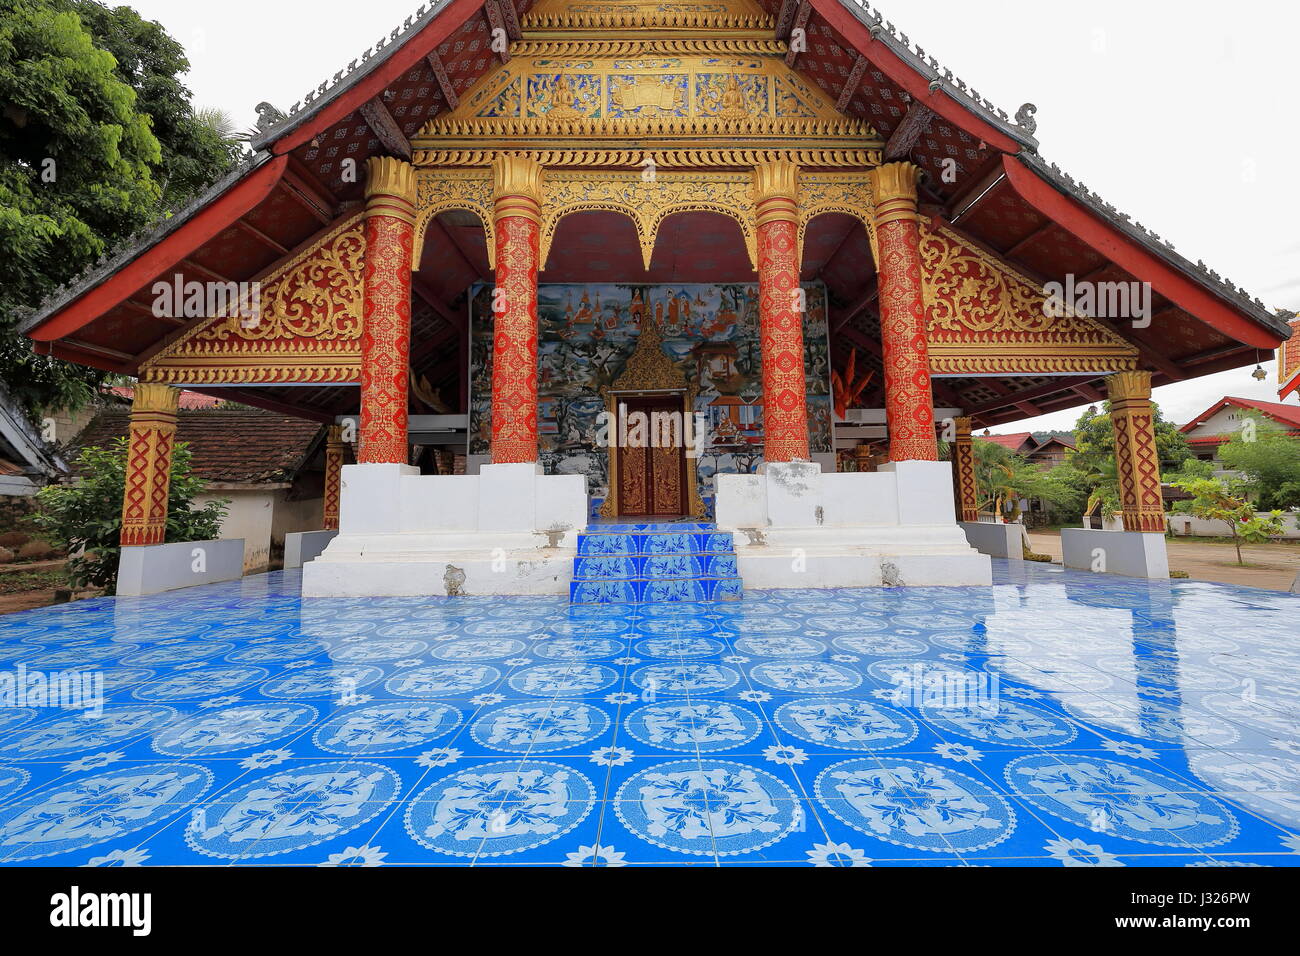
695	504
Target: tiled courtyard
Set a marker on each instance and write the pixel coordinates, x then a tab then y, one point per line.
1057	718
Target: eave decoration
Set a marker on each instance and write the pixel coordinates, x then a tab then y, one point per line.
308	329
986	318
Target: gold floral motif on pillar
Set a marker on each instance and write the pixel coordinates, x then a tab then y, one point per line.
386	335
909	404
785	384
518	185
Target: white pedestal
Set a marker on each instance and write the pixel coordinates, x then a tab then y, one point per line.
997	540
301	547
508	530
799	528
1134	554
158	568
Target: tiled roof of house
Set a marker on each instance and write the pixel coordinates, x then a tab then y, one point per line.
186	401
1285	415
1014	442
243	445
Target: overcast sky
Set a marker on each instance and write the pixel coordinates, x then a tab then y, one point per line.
1180	112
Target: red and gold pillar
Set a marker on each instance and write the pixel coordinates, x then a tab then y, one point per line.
963	472
1137	461
149	465
386	336
518	191
909	403
333	476
785	385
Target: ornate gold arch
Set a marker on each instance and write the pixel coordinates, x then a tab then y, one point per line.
443	190
648	201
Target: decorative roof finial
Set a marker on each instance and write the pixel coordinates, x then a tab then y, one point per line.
1025	118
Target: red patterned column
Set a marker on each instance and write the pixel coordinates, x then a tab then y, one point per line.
1137	462
909	404
386	336
149	465
333	477
518	184
963	472
780	311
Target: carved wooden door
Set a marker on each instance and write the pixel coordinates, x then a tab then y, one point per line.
651	468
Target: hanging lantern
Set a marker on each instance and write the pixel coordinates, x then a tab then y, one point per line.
1259	374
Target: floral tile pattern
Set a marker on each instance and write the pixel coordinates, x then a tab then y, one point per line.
1056	719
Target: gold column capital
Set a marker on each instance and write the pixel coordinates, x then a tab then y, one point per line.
894	189
776	192
390	188
386	176
961	428
1133	385
517	187
334	436
148	397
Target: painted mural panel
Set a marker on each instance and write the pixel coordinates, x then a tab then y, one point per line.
587	333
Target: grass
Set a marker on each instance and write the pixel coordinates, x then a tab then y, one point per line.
42	579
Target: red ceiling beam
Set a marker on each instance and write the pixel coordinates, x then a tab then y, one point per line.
386	128
444	81
852	83
206	225
910	129
800	23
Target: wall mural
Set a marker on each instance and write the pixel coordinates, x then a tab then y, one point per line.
587	333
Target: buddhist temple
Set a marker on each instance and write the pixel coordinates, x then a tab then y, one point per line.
491	246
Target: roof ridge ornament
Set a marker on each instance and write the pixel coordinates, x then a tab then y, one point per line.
1025	118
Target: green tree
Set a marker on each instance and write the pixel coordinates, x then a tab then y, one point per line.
1215	499
1268	459
1003	481
1094	440
86	517
97	139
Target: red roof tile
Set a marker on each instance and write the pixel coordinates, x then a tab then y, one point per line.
189	401
1287	415
1014	442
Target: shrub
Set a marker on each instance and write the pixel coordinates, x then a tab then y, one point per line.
86	516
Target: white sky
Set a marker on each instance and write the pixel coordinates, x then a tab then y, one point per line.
1180	112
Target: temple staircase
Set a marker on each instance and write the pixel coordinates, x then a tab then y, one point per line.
654	563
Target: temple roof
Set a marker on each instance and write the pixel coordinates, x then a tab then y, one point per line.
1004	198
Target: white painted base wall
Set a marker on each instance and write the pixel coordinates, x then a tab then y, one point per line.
997	540
1201	527
796	527
301	547
508	530
158	568
1134	554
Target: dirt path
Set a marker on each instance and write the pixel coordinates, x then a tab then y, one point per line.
1271	566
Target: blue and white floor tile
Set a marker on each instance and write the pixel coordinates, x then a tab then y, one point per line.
1058	718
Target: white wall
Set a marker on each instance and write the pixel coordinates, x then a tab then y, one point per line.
1200	527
